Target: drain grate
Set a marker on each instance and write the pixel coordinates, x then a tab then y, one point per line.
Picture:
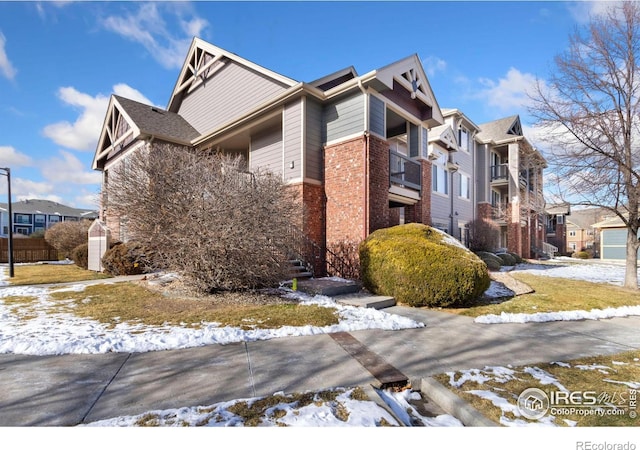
386	375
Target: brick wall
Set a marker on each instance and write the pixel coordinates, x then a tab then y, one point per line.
378	184
485	211
345	190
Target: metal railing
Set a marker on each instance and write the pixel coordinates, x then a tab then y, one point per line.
500	172
549	249
404	171
320	260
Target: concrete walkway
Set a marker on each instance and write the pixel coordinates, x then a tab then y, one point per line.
75	389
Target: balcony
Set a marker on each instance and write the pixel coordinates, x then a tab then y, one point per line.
500	172
405	179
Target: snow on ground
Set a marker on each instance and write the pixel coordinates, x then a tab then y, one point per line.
505	400
593	271
47	333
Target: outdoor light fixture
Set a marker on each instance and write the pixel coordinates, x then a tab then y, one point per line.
7	171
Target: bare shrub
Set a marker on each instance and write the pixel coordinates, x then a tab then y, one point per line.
202	215
484	235
66	236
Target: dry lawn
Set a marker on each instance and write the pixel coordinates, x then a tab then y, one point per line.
133	302
557	294
51	273
602	374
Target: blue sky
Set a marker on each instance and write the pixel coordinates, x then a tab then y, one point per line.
60	61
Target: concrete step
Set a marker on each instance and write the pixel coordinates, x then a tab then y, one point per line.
330	287
366	300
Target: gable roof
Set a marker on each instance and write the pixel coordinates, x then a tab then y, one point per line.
335	79
204	58
501	130
128	119
410	74
48	207
445	135
154	121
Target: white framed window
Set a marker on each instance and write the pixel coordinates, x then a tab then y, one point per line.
572	233
440	175
559	219
463	138
464	183
573	246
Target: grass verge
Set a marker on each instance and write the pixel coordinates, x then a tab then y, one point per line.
131	302
51	273
614	380
557	294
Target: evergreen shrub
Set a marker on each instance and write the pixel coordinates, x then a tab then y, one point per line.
421	266
81	256
493	261
507	259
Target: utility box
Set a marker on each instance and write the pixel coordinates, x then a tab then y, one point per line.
99	240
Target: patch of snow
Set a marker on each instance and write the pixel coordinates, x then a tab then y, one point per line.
498	290
497	401
594	314
544	377
399	404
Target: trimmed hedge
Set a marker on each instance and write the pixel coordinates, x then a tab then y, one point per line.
80	256
493	261
421	266
507	259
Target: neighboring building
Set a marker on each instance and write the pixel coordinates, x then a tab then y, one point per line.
364	151
556	227
511	192
34	215
581	234
453	152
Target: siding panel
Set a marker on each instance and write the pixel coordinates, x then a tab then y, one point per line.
292	126
229	93
313	151
376	115
344	118
266	151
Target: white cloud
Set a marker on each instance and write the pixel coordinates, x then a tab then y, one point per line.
508	93
6	68
147	27
433	64
22	188
83	134
10	157
583	11
69	169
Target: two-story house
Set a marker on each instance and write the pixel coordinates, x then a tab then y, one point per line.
354	146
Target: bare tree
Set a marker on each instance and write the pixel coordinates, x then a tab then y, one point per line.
204	216
589	111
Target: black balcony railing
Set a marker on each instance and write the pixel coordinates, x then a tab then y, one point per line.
500	172
404	171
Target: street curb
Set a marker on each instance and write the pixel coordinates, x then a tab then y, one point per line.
374	396
454	405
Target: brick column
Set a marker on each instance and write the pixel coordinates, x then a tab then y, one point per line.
378	184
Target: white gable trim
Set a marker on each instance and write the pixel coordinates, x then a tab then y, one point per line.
109	128
217	55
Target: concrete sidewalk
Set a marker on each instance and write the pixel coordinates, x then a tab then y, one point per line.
73	389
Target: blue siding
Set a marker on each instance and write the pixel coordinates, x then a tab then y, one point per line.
376	115
614	237
343	118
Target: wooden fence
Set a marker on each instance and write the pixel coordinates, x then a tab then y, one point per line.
27	250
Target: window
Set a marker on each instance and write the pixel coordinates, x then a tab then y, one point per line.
463	186
39	218
23	218
572	233
440	175
463	138
573	246
23	230
54	219
560	219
